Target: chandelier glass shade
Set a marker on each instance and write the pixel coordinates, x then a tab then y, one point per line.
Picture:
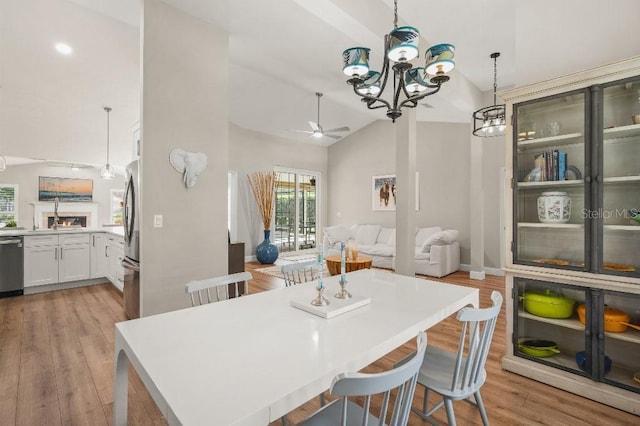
3	163
107	171
490	121
410	84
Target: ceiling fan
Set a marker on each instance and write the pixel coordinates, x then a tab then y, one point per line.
316	129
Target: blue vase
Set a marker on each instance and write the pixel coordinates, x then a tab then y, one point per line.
266	252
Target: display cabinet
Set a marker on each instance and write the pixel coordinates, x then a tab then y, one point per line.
581	330
573	232
576	180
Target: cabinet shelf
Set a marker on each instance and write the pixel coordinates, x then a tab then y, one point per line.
550	141
621	375
630	335
552	183
622	179
622	227
561	359
622	131
550	225
572	323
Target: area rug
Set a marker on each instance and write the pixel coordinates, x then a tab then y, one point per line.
275	270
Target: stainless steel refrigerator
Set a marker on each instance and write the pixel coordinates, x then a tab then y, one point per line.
131	260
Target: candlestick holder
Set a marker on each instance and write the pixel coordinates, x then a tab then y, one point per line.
320	300
343	293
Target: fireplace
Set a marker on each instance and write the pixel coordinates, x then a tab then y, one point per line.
68	221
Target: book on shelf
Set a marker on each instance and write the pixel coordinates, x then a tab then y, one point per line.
553	165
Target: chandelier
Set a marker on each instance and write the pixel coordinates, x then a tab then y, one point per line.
489	121
107	171
413	83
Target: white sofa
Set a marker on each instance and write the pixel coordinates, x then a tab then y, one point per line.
437	252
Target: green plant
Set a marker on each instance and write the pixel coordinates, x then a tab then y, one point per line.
11	224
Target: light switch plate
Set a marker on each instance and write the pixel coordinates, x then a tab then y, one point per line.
157	221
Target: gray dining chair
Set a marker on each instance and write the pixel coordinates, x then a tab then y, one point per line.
301	272
201	291
393	388
460	375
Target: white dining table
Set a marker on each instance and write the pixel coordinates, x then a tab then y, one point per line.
250	360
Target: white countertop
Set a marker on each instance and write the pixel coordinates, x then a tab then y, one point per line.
115	230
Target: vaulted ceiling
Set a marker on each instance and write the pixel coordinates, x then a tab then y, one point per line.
281	53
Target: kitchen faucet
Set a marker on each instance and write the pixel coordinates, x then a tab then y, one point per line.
55	214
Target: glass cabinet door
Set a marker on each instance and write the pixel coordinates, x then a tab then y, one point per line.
619	361
619	179
547	327
550	161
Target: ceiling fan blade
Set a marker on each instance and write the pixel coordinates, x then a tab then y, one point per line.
339	129
315	126
332	136
301	131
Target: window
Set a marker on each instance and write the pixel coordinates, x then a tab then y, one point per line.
8	203
117	206
295	212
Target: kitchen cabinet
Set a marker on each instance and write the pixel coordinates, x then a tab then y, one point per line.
573	181
115	253
99	259
51	259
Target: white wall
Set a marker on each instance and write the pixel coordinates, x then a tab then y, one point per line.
442	163
52	105
602	30
26	177
251	151
184	105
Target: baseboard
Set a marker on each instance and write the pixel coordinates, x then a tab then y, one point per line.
64	286
493	271
489	271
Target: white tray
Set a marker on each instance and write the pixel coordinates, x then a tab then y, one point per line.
336	306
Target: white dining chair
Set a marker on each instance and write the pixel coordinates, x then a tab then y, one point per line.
200	291
302	272
394	388
460	375
297	273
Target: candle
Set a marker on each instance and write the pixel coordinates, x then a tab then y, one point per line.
320	265
343	265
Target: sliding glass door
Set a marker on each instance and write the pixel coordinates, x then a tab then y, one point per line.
296	209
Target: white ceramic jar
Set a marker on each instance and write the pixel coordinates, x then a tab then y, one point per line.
554	207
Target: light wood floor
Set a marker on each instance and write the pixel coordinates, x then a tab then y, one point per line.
56	366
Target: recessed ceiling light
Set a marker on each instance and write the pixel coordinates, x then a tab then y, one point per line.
64	49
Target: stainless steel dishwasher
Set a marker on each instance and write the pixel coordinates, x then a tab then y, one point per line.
11	266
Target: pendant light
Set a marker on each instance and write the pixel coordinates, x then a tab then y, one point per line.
490	121
410	84
107	171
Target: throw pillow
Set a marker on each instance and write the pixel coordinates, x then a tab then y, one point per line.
367	234
442	238
384	236
336	233
392	238
424	233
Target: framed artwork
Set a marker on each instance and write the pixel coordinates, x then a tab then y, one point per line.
66	189
384	190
